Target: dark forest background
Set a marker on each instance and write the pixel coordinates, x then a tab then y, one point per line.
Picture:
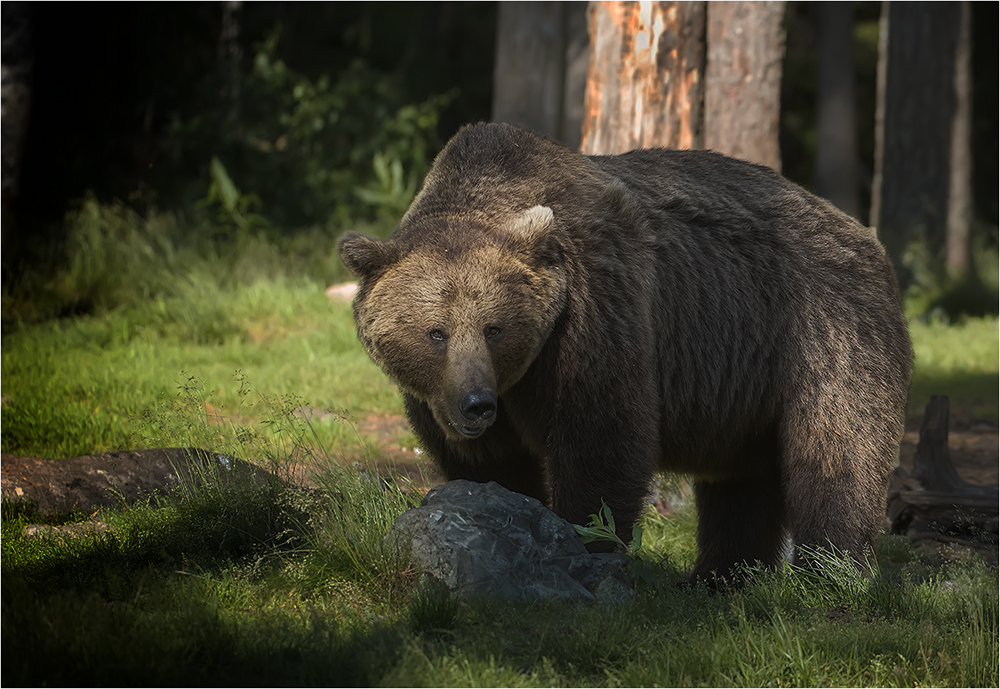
283	116
129	96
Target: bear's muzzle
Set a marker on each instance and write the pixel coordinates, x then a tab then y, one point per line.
479	408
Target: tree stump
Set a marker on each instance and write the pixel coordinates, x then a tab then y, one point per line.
934	502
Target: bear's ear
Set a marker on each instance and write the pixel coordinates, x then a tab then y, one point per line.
366	257
529	232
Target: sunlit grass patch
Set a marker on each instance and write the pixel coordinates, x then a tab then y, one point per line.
70	387
961	360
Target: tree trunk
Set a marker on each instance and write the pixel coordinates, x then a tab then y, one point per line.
540	54
646	73
577	63
919	185
880	78
959	252
836	146
746	43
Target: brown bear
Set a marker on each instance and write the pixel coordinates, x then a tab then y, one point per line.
567	325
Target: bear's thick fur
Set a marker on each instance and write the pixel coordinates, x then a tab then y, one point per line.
567	325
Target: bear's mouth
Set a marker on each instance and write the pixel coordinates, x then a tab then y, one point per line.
467	429
461	429
471	431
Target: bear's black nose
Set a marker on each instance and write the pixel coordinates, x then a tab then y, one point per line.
479	405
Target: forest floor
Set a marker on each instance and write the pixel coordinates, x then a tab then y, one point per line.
974	447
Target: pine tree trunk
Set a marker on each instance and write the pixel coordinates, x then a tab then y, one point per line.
836	146
746	44
530	68
920	175
577	64
958	250
646	74
540	67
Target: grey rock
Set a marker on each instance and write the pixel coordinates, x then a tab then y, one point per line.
482	540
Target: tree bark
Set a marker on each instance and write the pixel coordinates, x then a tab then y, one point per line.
577	63
746	43
918	183
959	252
538	73
645	84
836	146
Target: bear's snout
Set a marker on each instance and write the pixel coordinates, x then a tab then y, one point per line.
478	408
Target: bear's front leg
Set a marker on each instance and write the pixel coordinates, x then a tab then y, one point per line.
740	523
602	430
625	494
603	465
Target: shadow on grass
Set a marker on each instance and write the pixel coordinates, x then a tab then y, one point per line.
143	604
210	527
973	396
214	586
165	636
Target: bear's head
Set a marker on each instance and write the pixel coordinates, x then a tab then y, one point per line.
455	309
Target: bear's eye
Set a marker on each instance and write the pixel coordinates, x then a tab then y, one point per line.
492	332
437	335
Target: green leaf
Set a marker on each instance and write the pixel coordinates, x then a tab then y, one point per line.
589	534
602	528
636	539
228	193
608	518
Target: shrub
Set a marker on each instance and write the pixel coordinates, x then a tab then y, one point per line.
325	151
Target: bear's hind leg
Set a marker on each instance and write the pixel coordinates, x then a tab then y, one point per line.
837	514
740	522
837	462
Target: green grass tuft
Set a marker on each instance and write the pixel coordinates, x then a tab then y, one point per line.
433	608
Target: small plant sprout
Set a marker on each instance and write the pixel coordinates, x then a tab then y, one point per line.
602	528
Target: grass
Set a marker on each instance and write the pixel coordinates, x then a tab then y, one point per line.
168	597
959	360
260	583
71	386
240	582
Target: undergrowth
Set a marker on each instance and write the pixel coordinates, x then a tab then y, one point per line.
115	257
